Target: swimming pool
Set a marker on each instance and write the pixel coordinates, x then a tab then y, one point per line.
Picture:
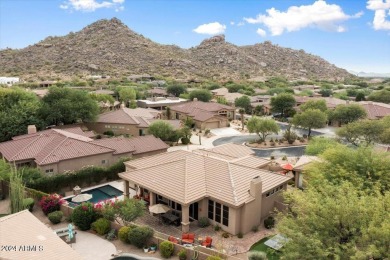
99	194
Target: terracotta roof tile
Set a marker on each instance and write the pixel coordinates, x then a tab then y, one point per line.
375	110
128	116
206	106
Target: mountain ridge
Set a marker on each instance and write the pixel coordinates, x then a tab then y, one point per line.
110	47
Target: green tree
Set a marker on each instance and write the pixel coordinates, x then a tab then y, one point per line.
309	119
102	98
244	102
346	114
362	132
242	113
68	106
282	103
127	95
161	129
168	113
314	104
18	109
262	127
201	94
325	92
318	144
382	96
176	90
335	222
222	100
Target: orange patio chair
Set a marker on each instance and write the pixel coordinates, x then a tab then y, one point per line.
188	238
173	240
207	242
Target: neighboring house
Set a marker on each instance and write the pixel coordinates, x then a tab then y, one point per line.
300	166
60	150
47	83
137	78
160	103
224	93
375	110
25	237
158	92
225	184
9	81
205	115
125	120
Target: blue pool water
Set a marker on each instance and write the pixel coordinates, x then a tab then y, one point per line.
99	194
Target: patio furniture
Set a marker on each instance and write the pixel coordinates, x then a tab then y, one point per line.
170	218
173	240
188	238
63	233
207	242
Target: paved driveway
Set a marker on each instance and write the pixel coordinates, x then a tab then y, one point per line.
224	131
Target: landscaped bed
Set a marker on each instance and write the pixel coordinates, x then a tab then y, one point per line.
269	144
260	246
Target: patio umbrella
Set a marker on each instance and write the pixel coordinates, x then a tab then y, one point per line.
82	197
159	209
288	167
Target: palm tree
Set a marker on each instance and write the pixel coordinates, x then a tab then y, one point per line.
242	112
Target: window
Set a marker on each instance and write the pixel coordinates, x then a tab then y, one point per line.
218	212
49	171
177	116
211	210
104	161
107	126
225	216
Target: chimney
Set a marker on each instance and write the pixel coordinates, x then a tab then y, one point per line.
256	187
122	105
31	129
195	99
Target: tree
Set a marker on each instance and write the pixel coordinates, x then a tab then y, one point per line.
176	90
362	132
201	94
18	109
318	144
127	95
314	104
282	103
244	102
382	96
168	113
16	191
161	129
335	222
325	92
348	113
309	119
242	112
222	100
68	106
262	127
102	98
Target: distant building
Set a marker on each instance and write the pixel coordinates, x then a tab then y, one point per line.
9	81
160	103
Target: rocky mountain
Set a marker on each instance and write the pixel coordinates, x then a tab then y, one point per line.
109	47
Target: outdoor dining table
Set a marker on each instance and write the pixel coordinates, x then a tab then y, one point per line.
170	217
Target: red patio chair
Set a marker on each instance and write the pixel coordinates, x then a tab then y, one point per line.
173	240
188	238
207	242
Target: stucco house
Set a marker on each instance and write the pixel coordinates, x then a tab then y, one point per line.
375	110
226	184
224	93
60	150
205	115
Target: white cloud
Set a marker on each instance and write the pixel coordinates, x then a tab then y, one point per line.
380	7
210	28
261	32
92	5
232	23
319	14
241	24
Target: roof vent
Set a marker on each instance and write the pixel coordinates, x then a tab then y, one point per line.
256	177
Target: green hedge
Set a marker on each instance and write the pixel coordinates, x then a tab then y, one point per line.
87	176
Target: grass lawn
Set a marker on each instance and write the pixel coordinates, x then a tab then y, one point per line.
271	253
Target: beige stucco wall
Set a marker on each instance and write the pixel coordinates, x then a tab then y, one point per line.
118	129
268	203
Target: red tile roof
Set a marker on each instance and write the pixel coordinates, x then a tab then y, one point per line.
199	110
375	110
137	116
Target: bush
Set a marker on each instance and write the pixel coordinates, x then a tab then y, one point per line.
182	254
28	203
255	229
240	235
185	140
269	222
101	226
139	236
55	217
166	249
213	257
257	255
109	133
203	222
51	203
123	234
217	228
225	235
84	215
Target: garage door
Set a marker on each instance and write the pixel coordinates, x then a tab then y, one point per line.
211	125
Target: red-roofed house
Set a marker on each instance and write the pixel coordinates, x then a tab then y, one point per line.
60	150
375	110
205	115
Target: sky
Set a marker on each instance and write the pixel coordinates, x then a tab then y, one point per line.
352	34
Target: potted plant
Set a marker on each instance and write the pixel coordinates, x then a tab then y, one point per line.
182	254
153	247
146	249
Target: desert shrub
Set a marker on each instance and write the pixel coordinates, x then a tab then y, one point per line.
123	234
255	229
166	249
185	140
203	222
207	131
139	236
84	215
51	203
213	257
269	222
217	228
284	158
101	226
240	235
257	255
225	235
55	217
109	133
28	203
182	254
